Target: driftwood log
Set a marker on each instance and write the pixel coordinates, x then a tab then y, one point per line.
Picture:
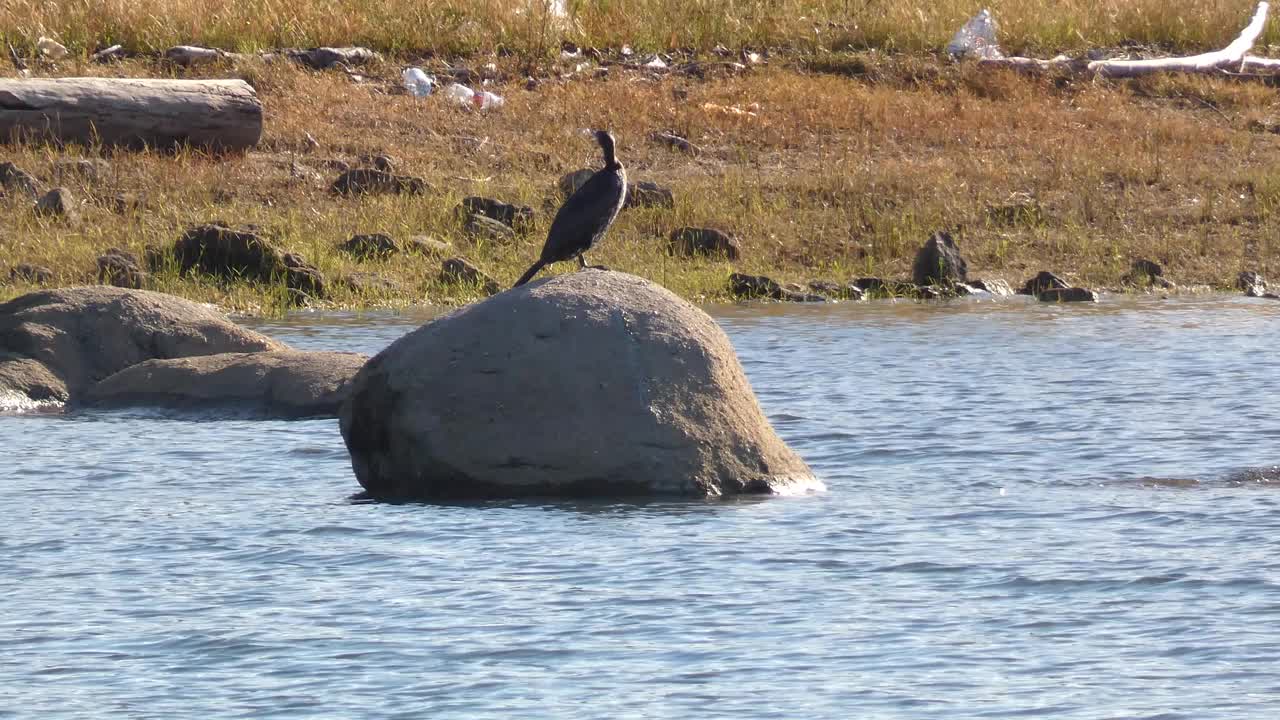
1228	57
218	115
1233	57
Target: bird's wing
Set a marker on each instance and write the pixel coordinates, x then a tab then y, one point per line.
584	215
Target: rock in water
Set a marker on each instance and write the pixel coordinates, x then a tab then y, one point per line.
585	384
281	383
81	335
1044	280
1252	284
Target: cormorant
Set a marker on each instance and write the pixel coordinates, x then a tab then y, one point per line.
587	214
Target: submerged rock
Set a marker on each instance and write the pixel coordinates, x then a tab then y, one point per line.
1072	294
26	383
878	286
1044	280
759	287
589	383
282	383
993	286
848	291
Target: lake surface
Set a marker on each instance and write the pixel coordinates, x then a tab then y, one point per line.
1032	511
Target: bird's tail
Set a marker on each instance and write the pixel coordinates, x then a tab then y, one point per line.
529	275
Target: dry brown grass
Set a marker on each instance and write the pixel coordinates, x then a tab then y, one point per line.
466	26
833	177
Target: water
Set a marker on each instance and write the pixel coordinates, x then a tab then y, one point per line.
1033	511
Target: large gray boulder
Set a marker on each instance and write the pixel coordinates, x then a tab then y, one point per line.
78	336
282	384
590	383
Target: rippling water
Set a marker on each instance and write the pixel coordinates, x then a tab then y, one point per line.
1033	511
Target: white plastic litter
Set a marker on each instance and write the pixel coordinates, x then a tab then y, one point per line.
977	39
485	100
463	95
417	82
51	48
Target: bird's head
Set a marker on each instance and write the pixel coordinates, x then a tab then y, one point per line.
605	139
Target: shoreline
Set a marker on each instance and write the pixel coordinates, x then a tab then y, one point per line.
827	172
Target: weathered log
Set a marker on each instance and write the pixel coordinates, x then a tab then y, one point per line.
1233	59
1232	54
188	55
217	115
1061	63
1258	64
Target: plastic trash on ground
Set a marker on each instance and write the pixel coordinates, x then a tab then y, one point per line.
51	48
417	82
463	95
976	39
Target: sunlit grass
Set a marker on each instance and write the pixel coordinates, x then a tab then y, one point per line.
530	26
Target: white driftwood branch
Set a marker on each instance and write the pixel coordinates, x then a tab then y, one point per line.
214	114
1255	64
1031	65
1232	54
187	55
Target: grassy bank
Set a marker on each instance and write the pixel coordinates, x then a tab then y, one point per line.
534	26
832	169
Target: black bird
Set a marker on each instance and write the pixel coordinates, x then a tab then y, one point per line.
587	214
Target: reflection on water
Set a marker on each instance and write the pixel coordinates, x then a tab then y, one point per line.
1045	511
